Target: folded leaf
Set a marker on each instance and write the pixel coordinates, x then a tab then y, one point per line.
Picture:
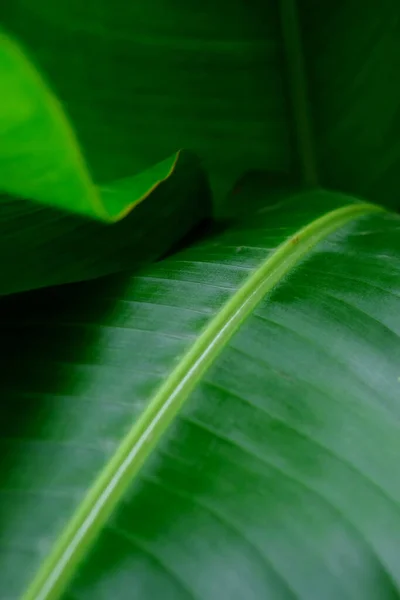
40	161
223	425
41	246
40	157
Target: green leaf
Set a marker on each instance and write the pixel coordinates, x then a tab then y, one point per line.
224	424
295	88
41	246
40	157
352	57
40	160
141	80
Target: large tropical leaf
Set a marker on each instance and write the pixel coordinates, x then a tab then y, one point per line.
222	425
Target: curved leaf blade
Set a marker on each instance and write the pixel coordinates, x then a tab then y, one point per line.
42	246
40	157
172	394
41	161
279	478
161	314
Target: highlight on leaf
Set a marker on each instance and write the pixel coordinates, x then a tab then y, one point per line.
191	407
40	157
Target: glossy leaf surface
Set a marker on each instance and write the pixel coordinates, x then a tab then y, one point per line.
237	405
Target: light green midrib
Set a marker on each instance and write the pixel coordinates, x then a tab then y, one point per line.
59	567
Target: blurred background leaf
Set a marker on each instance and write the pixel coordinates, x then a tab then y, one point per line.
40	158
352	57
141	80
299	90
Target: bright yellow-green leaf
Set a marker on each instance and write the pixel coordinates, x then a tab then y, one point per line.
40	158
